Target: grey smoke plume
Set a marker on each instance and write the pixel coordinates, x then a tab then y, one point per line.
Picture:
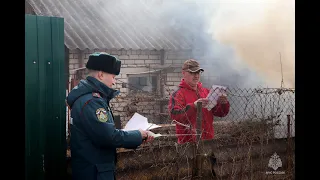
237	40
240	40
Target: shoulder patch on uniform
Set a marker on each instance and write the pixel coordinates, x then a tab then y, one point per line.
96	95
102	115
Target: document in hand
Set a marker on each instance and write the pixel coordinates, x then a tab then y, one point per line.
155	135
215	92
139	122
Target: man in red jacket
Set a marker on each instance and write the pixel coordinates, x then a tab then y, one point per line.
182	105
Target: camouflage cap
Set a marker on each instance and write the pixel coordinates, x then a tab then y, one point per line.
191	65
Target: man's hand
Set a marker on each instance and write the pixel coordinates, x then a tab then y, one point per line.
145	136
204	101
223	100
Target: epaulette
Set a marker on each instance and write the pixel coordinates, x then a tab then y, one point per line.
95	94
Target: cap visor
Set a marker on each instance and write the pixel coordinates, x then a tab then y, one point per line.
195	70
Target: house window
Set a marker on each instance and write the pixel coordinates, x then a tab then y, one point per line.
143	83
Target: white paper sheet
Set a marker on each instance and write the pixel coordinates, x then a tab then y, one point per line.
215	92
155	135
139	122
153	126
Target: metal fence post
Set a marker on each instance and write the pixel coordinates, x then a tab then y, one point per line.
289	149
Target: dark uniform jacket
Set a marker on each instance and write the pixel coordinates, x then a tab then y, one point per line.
94	138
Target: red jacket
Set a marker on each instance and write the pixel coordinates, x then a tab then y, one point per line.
182	109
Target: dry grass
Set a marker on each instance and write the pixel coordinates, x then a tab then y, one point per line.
239	155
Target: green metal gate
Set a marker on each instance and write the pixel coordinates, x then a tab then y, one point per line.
45	92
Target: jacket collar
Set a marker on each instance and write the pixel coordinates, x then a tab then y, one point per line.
106	92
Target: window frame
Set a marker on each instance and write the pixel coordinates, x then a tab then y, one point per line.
149	74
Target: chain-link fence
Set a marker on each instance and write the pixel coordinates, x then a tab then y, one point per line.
253	138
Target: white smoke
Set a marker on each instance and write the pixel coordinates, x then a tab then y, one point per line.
241	40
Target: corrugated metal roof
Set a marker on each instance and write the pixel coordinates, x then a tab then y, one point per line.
111	24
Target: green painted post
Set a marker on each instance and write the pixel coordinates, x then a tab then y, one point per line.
57	135
45	149
33	125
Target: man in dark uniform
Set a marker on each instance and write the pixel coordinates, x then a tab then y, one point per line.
94	138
